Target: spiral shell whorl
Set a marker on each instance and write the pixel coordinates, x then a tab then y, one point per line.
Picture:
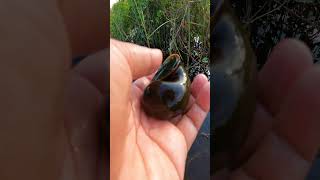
168	93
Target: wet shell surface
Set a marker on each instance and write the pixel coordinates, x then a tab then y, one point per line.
168	93
233	69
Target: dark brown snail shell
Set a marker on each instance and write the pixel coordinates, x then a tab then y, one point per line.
168	93
233	71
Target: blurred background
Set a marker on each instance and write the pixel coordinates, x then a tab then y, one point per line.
269	21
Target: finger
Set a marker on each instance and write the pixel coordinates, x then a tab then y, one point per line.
197	84
299	120
274	159
151	75
142	60
83	106
261	125
142	83
288	151
289	59
199	81
85	22
263	119
192	121
95	69
168	139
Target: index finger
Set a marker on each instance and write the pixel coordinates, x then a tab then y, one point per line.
289	149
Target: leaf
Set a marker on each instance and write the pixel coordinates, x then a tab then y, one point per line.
205	60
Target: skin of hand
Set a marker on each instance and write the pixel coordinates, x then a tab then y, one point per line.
142	147
50	111
285	135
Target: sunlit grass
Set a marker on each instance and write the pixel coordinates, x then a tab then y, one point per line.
179	26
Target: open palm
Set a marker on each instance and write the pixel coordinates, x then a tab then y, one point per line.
140	145
285	134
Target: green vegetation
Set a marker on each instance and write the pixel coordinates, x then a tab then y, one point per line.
177	26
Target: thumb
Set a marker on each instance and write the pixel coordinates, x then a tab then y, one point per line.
141	60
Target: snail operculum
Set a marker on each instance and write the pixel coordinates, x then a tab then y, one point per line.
168	93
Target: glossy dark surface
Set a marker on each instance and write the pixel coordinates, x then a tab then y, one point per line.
168	93
233	72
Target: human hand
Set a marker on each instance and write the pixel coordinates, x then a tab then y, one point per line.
285	135
50	111
142	147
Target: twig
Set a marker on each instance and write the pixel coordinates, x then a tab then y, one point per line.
267	13
160	27
256	14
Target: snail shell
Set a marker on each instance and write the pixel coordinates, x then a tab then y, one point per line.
168	93
233	75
